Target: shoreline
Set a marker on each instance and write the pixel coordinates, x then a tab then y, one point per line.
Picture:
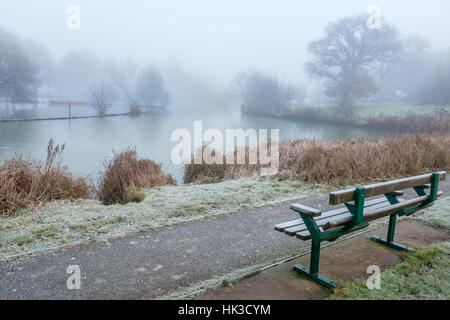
83	117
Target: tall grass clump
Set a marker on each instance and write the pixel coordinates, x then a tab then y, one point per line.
344	162
28	183
204	173
126	174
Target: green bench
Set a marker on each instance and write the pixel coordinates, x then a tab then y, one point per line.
358	211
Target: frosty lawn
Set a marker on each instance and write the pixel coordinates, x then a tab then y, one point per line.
60	224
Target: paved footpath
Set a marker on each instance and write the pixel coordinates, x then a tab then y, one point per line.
151	264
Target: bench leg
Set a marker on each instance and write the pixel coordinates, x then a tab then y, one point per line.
313	271
389	241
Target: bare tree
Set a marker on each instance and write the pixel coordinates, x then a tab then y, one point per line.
150	90
101	98
17	72
347	56
262	93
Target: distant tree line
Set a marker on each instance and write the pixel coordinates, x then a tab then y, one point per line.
357	63
27	72
18	73
264	93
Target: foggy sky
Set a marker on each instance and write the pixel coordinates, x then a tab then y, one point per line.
210	36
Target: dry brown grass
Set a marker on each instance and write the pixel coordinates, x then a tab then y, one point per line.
344	162
28	183
436	122
126	174
213	173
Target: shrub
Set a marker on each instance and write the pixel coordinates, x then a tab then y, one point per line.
125	175
28	183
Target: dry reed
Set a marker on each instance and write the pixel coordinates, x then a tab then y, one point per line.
344	161
126	174
28	183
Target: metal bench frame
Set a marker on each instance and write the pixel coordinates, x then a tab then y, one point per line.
358	222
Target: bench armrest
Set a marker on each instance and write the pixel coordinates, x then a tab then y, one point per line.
306	210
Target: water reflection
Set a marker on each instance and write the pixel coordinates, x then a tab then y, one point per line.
90	141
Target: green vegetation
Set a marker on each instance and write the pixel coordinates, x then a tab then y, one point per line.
67	223
422	275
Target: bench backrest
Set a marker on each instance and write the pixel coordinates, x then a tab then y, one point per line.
376	189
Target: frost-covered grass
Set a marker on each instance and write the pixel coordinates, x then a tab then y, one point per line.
422	275
61	224
438	215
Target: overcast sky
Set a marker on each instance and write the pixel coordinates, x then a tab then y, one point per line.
211	36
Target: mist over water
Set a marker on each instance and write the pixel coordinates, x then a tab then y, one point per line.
191	52
90	141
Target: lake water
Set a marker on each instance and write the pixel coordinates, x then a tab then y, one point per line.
90	141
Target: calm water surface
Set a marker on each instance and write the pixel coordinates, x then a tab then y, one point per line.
90	141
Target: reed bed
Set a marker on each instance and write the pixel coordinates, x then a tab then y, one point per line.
26	183
342	162
436	122
125	175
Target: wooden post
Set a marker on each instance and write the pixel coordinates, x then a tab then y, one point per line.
70	109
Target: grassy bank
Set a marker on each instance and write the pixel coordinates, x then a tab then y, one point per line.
395	118
27	183
422	275
57	224
343	162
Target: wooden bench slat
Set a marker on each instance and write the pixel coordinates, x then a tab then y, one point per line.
342	196
292	231
305	235
397	193
370	215
378	213
289	224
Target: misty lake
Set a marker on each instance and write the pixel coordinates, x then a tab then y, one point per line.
90	141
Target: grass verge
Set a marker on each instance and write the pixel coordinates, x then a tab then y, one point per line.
422	275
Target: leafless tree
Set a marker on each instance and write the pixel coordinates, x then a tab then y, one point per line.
101	98
263	93
150	90
347	56
17	72
123	77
